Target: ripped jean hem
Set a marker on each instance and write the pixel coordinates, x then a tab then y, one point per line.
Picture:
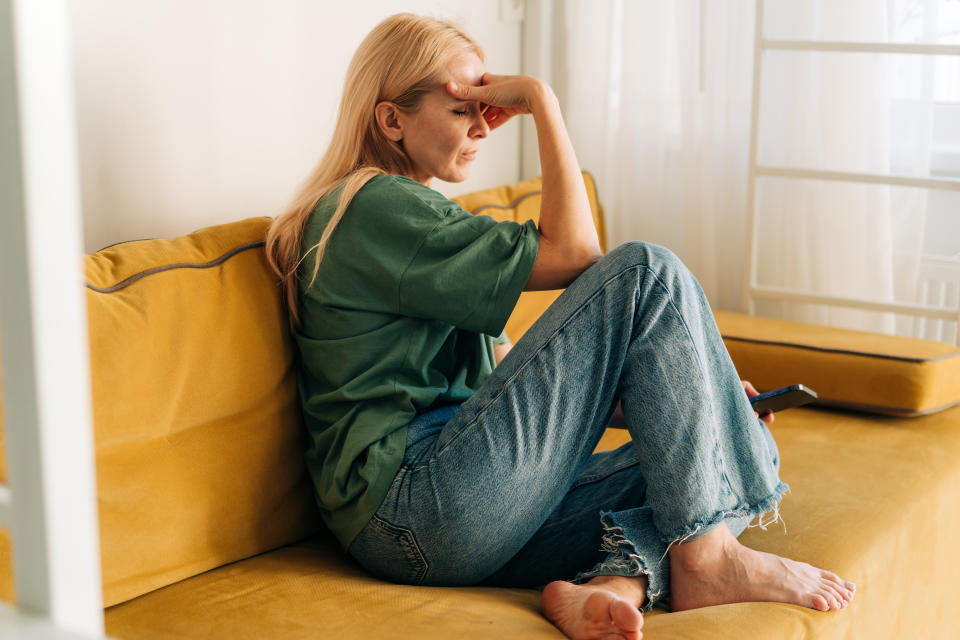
622	559
770	504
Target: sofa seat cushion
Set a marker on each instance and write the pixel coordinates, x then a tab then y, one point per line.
873	498
312	589
858	370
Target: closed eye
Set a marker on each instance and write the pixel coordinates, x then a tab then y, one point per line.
461	112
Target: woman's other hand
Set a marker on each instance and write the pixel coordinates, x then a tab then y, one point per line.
502	97
751	391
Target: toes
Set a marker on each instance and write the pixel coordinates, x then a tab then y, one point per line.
820	603
839	601
833	600
841	597
843	588
831	576
845	592
833	580
625	616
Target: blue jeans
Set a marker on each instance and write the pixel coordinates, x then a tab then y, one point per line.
505	489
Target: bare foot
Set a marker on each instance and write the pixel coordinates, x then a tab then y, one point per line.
717	569
605	608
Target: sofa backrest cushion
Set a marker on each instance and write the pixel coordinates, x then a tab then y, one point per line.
196	419
856	370
521	202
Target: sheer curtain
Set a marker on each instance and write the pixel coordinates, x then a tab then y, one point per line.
657	98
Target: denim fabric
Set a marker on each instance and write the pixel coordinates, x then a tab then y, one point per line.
504	489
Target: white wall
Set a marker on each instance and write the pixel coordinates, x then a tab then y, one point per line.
199	112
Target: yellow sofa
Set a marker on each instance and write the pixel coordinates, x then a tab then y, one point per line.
207	522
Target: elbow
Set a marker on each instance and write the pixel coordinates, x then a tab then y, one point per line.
585	253
557	265
585	257
578	252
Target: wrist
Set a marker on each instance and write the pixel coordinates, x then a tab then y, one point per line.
542	99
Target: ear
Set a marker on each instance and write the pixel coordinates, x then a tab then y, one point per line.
388	120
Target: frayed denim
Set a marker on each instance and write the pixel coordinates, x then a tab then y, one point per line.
505	490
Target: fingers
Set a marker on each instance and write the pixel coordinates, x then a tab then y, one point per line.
513	92
751	391
462	91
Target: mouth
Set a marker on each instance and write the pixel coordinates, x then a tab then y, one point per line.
470	155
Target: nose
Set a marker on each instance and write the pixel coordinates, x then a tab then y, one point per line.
480	128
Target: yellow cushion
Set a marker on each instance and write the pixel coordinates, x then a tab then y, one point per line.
848	369
521	202
196	418
874	501
313	590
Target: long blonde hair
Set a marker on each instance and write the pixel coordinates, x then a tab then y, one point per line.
400	61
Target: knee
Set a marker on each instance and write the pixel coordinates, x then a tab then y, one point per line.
646	254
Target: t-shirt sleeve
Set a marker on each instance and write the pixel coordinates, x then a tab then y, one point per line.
469	271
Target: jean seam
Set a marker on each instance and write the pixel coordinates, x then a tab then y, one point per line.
585	480
575	314
408	541
716	436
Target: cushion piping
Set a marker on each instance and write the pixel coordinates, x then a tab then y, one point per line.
523	197
510	205
879	408
850	352
126	282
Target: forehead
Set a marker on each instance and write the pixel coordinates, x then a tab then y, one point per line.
465	68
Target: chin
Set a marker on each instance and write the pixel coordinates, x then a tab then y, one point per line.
458	176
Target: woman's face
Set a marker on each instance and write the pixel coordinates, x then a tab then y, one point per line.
441	138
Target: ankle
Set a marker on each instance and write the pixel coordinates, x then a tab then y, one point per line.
703	553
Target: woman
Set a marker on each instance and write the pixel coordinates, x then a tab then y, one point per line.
438	457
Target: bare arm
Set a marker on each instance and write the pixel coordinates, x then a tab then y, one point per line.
568	237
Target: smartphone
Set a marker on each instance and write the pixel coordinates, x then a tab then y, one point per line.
784	398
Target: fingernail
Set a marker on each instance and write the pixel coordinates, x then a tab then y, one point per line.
851	586
454	86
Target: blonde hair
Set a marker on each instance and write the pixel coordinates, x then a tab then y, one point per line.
400	61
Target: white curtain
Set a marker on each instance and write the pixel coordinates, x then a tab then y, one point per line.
657	98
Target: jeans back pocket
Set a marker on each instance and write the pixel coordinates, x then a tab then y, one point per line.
390	552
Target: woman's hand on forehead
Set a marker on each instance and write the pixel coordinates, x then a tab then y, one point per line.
501	97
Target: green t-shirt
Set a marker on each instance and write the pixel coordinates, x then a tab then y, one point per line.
410	290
